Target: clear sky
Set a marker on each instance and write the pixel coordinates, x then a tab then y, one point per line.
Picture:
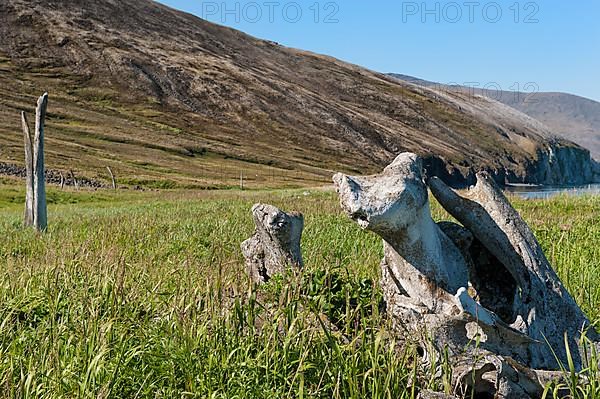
553	45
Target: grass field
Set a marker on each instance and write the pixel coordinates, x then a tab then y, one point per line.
145	295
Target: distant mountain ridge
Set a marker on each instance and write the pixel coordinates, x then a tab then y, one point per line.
572	117
168	99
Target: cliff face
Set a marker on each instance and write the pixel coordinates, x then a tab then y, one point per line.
563	165
159	94
557	164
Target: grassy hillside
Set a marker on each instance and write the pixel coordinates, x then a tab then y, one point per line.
145	295
167	99
89	129
572	117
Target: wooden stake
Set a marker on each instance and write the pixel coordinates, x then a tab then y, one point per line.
74	180
112	178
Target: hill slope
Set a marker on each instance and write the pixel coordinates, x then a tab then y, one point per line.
164	96
572	117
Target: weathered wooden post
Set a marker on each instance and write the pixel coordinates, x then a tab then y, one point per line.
75	182
112	178
36	213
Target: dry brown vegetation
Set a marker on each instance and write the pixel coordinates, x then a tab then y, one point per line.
168	100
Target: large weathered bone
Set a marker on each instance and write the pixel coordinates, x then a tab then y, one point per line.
483	292
275	245
420	260
541	306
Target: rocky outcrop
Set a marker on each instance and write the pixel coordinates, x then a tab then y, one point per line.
556	164
596	171
563	165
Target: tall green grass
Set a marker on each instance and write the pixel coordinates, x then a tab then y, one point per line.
146	296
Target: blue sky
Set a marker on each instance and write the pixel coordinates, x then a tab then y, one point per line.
551	45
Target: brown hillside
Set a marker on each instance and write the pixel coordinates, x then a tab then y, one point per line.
166	98
573	117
